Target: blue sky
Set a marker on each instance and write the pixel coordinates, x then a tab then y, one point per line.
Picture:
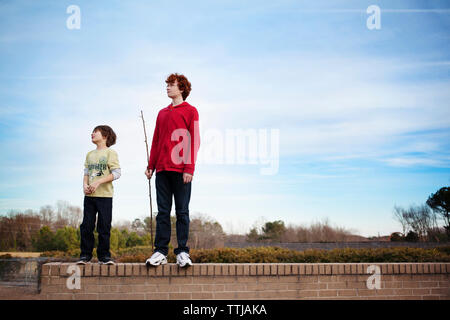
363	115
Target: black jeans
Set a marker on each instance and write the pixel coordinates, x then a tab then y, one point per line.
103	206
170	183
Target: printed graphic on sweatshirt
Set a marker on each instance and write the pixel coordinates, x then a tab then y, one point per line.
100	163
97	169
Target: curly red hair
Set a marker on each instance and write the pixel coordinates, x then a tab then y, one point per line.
183	83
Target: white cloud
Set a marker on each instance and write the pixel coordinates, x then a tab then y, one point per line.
327	108
415	161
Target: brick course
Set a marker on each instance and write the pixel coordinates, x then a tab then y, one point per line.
129	281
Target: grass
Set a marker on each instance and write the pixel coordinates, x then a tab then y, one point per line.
21	254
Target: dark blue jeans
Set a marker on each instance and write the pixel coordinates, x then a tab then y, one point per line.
168	184
92	206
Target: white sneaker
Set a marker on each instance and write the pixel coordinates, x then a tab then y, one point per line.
183	259
156	259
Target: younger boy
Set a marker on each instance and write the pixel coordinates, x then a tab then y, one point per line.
100	169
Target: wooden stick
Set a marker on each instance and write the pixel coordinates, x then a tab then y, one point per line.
149	184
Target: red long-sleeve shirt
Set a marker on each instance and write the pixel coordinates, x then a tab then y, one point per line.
176	139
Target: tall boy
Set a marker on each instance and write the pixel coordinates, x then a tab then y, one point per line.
174	150
100	169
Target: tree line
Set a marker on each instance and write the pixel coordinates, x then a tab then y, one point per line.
57	228
421	222
277	231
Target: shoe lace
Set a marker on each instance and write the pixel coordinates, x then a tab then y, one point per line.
184	256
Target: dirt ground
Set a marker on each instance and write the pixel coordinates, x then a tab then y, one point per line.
22	254
18	293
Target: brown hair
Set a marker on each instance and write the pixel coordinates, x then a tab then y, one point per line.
183	83
107	133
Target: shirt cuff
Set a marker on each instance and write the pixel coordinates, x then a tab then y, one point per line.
116	173
189	170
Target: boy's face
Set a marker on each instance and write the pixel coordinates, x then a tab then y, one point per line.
172	90
97	137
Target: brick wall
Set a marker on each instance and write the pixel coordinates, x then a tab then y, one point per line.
247	281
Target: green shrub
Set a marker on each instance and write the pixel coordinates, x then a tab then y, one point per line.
134	240
282	255
397	236
444	249
44	240
412	237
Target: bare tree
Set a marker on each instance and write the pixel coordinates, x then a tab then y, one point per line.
205	232
400	217
47	215
122	225
17	230
419	219
138	226
75	216
317	232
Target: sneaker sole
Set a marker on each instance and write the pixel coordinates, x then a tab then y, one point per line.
184	265
148	264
